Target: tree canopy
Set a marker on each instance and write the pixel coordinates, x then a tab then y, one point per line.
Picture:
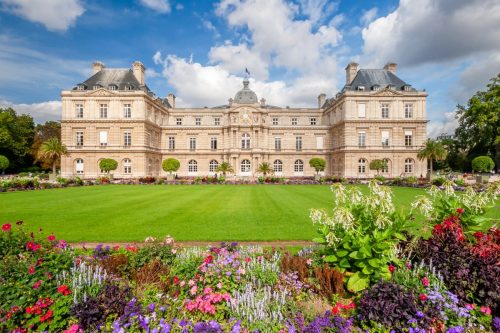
16	138
108	164
378	165
318	164
483	164
433	151
225	167
51	150
43	132
4	163
265	168
170	165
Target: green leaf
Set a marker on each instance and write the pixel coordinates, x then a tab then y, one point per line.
367	270
341	253
330	258
354	254
357	282
344	263
375	263
319	240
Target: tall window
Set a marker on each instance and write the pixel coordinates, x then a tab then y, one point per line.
313	121
319	142
245	166
278	166
79	138
103	110
298	166
245	141
192	143
127	166
408	110
277	144
79	166
213	143
127	138
79	110
213	165
275	121
295	121
171	143
361	165
408	138
385	110
408	165
361	110
362	139
178	121
197	121
192	166
385	168
127	110
103	138
217	121
298	143
385	138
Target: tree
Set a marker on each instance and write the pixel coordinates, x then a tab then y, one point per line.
225	167
108	164
52	150
171	165
318	164
483	164
43	132
4	163
265	168
16	138
478	128
433	150
378	165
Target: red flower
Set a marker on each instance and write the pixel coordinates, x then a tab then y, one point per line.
32	270
335	310
423	297
208	259
247	259
425	281
6	227
51	238
64	290
486	310
391	268
176	279
460	210
37	284
131	248
116	247
46	316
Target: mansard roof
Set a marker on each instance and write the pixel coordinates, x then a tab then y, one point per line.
123	79
373	79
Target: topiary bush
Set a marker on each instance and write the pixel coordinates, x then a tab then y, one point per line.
171	165
483	164
108	164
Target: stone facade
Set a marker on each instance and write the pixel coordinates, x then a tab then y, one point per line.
114	115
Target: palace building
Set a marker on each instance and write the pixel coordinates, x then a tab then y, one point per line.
113	114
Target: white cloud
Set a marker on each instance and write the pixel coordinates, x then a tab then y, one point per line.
55	15
369	15
161	6
426	31
447	125
41	112
209	26
317	10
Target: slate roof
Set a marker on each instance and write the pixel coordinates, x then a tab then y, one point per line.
245	95
368	78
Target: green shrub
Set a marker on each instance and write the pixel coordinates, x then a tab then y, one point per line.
170	165
438	181
108	164
4	163
318	164
483	164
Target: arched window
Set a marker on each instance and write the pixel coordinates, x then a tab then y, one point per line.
79	166
212	167
245	141
127	166
278	166
245	166
385	169
361	165
409	165
193	166
298	166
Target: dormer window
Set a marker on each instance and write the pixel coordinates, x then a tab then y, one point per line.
375	87
113	87
97	86
361	88
129	87
80	87
391	86
406	87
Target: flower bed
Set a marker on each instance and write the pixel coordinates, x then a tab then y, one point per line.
369	274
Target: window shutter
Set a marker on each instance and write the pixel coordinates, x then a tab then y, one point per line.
103	137
319	142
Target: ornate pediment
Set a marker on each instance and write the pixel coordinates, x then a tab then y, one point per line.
387	92
101	92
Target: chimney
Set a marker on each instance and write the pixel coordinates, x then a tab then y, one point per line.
171	100
350	72
97	67
139	69
321	100
391	67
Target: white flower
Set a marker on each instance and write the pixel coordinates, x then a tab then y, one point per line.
423	204
149	239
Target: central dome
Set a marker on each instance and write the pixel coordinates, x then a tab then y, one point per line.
245	95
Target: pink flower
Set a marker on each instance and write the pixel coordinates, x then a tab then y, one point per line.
486	310
423	297
37	284
207	290
219	285
191	283
6	227
182	283
408	265
51	238
193	290
391	268
425	281
32	270
470	306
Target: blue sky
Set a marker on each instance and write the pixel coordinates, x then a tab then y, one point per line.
293	49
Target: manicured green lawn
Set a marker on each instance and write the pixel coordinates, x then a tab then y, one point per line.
120	213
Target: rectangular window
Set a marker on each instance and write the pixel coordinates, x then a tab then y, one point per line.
362	139
178	121
79	138
313	121
295	121
385	138
217	121
298	143
127	110
79	110
213	143
408	138
192	143
197	121
275	121
319	142
103	110
171	143
127	138
361	110
408	110
103	138
277	144
385	110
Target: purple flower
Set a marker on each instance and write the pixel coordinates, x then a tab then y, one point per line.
151	307
496	324
455	329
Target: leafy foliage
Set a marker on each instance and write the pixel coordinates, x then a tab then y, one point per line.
225	168
43	132
378	165
265	168
433	151
171	165
483	164
51	150
4	162
108	164
318	164
16	137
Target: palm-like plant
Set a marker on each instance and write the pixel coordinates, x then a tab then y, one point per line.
265	168
434	151
225	167
52	149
